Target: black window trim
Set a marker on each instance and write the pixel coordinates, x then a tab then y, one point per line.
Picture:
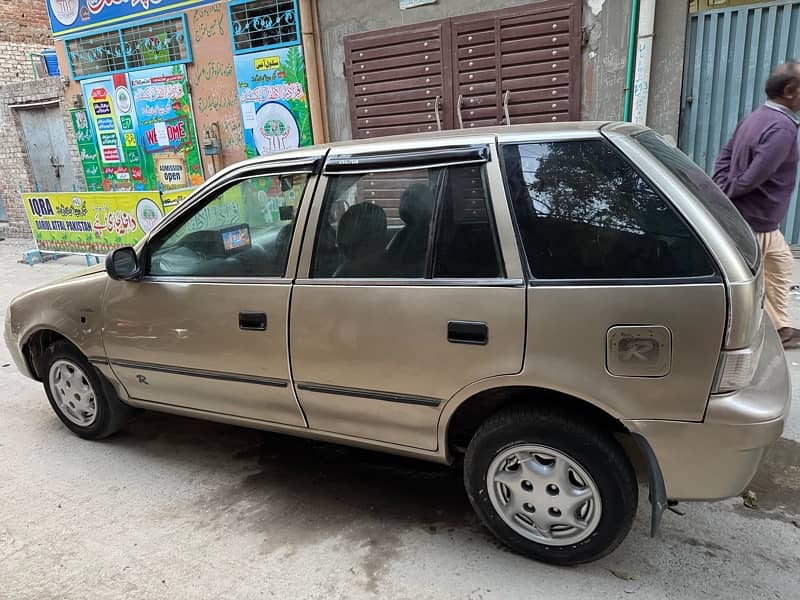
309	168
533	281
406	160
430	260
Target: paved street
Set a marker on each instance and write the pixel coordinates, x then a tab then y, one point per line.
177	508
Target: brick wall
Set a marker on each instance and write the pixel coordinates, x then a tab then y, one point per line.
15	174
25	21
24	28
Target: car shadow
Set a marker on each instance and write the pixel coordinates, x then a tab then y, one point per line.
292	484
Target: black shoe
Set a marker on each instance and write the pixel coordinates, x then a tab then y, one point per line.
790	337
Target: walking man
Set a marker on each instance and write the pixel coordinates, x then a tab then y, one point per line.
757	170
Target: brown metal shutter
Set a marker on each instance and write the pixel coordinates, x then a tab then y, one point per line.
395	77
532	53
475	74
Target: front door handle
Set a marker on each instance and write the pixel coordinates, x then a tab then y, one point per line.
252	321
468	332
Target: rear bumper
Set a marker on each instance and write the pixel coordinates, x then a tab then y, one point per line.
718	458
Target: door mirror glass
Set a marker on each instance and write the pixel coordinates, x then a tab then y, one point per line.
122	263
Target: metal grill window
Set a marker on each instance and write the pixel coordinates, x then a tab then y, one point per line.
135	47
96	54
155	44
264	24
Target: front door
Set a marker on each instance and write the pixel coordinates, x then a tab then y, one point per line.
206	327
407	298
48	150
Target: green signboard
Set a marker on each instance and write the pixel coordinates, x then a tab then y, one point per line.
87	149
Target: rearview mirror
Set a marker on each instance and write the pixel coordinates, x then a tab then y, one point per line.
122	264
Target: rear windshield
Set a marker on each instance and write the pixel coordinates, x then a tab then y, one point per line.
706	191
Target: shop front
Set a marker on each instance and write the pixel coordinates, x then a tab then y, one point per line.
164	93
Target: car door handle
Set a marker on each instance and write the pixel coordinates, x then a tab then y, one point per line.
253	321
467	332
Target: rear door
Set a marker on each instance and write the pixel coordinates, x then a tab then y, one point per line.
409	288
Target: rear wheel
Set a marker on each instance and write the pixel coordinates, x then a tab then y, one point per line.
551	487
80	396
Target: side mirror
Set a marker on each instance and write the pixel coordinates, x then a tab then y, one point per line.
122	264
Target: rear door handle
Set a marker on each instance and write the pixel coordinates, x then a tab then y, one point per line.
468	332
252	321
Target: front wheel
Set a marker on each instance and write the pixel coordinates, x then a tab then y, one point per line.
79	396
553	488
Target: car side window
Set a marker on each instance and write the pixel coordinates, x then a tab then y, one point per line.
243	231
584	212
406	224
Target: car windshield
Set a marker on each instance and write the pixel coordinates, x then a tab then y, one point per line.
706	191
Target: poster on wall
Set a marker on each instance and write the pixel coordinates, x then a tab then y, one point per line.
273	95
165	127
87	149
92	222
110	108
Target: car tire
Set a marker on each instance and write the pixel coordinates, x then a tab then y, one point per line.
541	465
80	396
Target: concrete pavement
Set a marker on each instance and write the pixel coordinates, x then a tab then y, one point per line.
179	508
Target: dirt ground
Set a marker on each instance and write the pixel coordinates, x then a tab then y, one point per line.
178	508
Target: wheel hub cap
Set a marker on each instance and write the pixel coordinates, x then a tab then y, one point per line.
73	393
543	495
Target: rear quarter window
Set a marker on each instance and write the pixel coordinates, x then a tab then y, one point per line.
583	212
706	191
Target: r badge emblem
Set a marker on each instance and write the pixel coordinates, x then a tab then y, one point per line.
639	351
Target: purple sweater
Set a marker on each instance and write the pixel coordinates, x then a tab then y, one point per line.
757	168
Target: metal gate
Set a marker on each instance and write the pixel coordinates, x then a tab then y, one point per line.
48	150
729	54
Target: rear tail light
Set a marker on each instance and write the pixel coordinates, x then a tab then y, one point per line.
737	369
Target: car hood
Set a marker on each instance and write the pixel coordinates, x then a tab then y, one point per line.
83	273
71	277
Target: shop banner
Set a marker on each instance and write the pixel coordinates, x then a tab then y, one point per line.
165	128
92	222
114	122
87	148
273	94
72	16
171	199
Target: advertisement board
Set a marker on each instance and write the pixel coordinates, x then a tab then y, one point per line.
87	149
92	222
143	130
72	16
165	128
273	95
112	118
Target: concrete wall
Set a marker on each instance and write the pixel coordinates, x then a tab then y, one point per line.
666	79
213	79
604	57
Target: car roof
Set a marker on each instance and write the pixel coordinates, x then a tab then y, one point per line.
566	129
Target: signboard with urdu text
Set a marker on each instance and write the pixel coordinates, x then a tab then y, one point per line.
73	16
273	95
95	222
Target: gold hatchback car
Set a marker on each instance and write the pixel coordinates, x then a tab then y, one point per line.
562	306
